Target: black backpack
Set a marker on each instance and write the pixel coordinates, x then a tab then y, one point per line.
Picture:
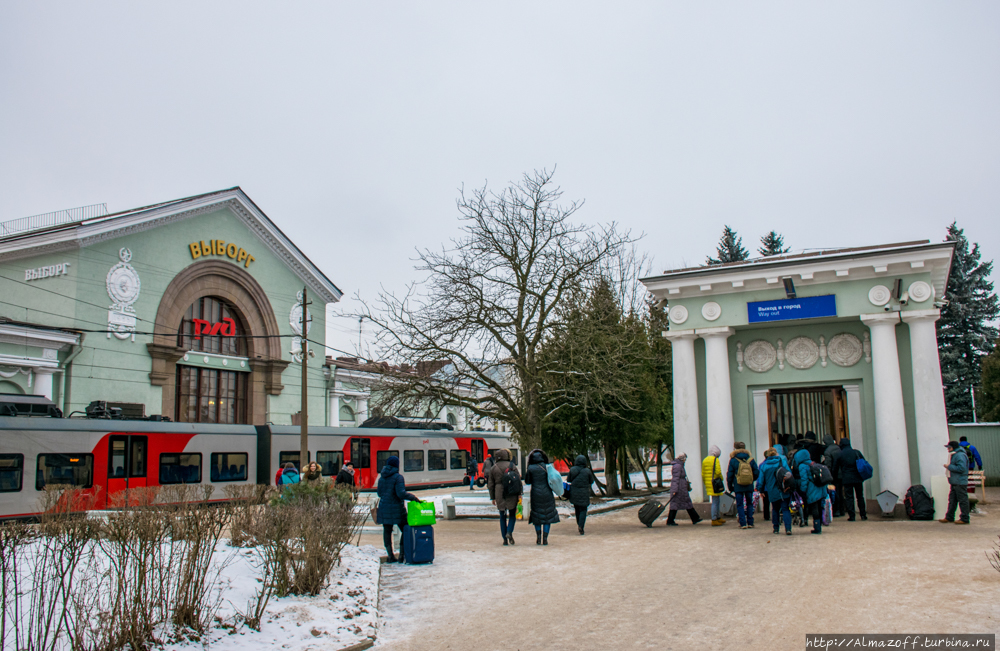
784	479
820	474
510	483
918	504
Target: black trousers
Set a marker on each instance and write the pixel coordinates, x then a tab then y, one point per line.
767	505
691	514
581	515
852	491
387	539
838	502
958	498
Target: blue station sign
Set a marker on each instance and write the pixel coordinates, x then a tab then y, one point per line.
788	309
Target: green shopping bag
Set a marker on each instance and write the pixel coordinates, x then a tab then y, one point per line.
419	514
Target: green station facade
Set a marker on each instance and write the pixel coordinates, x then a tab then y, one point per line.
190	309
840	343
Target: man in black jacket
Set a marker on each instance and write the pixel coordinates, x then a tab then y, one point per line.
847	470
346	475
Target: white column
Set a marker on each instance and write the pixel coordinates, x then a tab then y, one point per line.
855	419
362	412
718	391
761	423
890	417
334	411
928	394
687	433
461	420
43	381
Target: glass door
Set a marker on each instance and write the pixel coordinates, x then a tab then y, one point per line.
127	465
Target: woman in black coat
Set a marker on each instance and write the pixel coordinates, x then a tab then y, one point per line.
580	478
543	502
392	494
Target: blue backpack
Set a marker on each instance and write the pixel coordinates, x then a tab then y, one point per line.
864	469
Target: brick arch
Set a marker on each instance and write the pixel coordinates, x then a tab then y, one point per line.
238	288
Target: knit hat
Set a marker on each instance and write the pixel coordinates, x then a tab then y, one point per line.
953	445
714	450
392	461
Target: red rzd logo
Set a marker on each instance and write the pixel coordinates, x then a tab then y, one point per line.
225	329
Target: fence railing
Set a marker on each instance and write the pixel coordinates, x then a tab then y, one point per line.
50	219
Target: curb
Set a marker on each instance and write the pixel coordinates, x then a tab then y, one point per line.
370	642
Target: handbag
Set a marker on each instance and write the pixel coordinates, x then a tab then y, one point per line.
373	511
717	486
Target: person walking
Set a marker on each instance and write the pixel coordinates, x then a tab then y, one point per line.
289	475
543	501
391	512
850	479
580	478
680	492
506	504
711	476
742	474
772	472
830	457
472	470
346	476
958	477
975	461
488	465
812	494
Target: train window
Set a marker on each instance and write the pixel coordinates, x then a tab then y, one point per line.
361	453
413	460
116	463
383	456
184	468
11	472
478	449
292	458
437	460
228	466
330	462
137	460
65	470
459	459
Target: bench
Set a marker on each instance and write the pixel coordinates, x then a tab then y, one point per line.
978	478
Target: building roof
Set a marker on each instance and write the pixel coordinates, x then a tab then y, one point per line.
816	266
81	233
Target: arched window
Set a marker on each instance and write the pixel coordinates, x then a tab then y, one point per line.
206	394
346	414
452	420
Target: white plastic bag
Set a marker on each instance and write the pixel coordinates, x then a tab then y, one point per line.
555	480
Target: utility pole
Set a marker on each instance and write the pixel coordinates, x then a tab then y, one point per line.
361	320
304	414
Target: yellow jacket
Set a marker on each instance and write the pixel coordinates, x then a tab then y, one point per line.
711	468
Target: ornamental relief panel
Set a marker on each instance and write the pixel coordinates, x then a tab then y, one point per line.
844	350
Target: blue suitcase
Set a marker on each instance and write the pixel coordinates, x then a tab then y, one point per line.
418	545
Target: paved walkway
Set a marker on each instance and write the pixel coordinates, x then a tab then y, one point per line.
623	586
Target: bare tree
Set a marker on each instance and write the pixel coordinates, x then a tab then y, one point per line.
488	302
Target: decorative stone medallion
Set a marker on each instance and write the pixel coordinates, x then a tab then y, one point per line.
802	352
123	288
920	291
760	356
879	295
711	311
845	349
678	314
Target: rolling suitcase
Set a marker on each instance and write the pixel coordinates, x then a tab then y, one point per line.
650	511
418	545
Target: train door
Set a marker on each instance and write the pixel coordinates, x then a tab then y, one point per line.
361	457
479	450
127	461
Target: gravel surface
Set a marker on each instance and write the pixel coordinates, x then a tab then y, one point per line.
623	586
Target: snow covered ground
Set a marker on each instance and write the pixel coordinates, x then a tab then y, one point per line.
345	613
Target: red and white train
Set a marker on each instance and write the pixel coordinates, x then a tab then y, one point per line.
104	457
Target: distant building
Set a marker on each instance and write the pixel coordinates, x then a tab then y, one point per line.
840	343
190	309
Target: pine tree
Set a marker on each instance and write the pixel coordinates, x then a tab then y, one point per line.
988	395
964	332
773	244
730	248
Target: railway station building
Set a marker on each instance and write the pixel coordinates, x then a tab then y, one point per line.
189	309
841	343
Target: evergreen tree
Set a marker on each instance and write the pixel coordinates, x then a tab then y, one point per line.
964	332
988	395
773	244
730	248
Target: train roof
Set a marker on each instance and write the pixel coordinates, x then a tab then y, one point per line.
367	432
108	425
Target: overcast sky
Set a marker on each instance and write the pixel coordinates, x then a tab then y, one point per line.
352	125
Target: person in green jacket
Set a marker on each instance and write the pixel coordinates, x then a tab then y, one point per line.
958	477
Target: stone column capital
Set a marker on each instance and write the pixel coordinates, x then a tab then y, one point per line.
724	332
679	335
880	319
917	316
44	370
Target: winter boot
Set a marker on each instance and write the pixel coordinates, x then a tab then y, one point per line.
545	539
538	538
